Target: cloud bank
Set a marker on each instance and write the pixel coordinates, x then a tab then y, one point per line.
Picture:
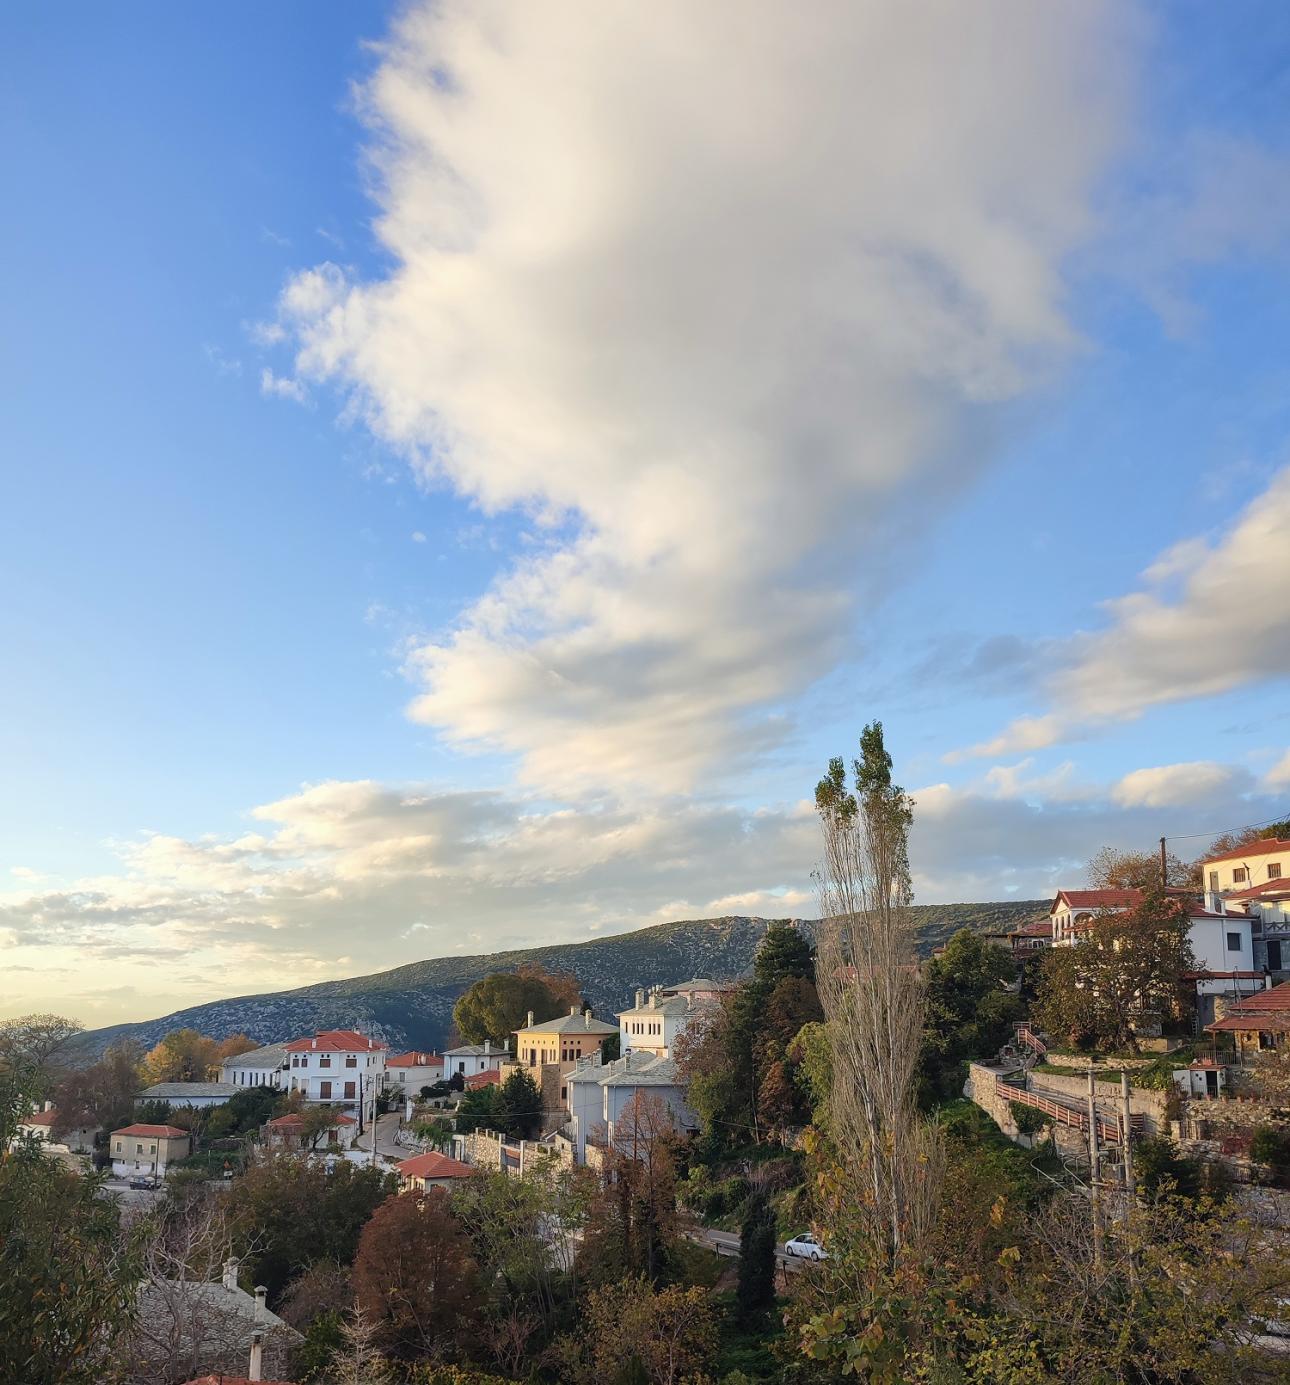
723	295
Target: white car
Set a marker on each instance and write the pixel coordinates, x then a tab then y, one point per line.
805	1246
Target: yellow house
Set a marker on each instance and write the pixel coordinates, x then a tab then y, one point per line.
560	1041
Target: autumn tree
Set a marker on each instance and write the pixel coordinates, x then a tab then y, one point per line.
873	996
498	1004
415	1278
1128	964
183	1055
666	1335
288	1213
1113	869
100	1096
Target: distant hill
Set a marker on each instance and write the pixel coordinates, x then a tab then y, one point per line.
412	1005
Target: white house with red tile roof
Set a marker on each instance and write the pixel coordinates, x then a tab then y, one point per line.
432	1170
469	1059
409	1072
340	1066
1221	942
287	1132
1257	1022
1254	880
145	1151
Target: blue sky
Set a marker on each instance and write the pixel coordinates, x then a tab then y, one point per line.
463	477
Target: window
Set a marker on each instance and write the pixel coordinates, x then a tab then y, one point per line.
325	1061
138	1148
1274	870
1233	945
1239	874
349	1091
324	1090
351	1061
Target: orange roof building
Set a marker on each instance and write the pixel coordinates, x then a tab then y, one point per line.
432	1170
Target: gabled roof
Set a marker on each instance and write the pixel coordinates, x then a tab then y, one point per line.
414	1060
159	1132
433	1165
1036	928
40	1118
1265	846
293	1120
1097	899
663	1005
482	1079
575	1022
270	1056
698	983
1268	887
165	1091
336	1041
1274	1000
478	1051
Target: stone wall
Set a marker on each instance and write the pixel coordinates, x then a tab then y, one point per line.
486	1149
980	1088
1151	1105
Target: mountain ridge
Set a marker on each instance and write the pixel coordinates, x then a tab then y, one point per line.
411	1004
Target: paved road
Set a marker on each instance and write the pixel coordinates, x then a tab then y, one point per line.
726	1243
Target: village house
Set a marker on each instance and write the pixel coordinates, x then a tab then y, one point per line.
407	1073
289	1132
146	1151
488	1078
470	1059
1221	942
431	1170
39	1126
1254	880
659	1016
602	1097
1256	1023
339	1066
560	1041
258	1067
192	1095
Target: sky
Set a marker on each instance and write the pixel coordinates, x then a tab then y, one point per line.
465	468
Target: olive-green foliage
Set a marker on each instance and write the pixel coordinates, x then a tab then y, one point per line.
969	1013
1270	1146
67	1273
498	1004
756	1259
1028	1119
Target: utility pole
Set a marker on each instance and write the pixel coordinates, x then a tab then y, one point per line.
1126	1147
1094	1173
1164	868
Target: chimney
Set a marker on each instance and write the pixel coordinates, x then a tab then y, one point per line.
256	1369
530	1021
586	1014
573	1010
488	1045
230	1272
640	997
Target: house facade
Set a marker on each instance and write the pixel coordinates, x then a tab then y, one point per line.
407	1073
657	1019
1254	880
188	1094
288	1132
603	1100
1256	1023
146	1151
259	1067
339	1066
39	1125
431	1170
561	1041
469	1060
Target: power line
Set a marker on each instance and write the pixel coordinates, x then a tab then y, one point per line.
1223	831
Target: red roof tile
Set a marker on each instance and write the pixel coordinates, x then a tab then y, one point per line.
483	1079
434	1165
1037	928
414	1060
40	1118
168	1132
336	1041
1254	891
293	1120
1265	846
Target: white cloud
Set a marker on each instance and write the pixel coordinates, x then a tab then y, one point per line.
1278	777
718	293
281	387
418	536
1162	786
1211	617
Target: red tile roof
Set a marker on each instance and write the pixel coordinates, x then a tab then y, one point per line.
414	1060
1254	891
1098	899
1037	928
483	1079
1269	1009
336	1041
293	1120
434	1165
40	1118
1265	846
169	1132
